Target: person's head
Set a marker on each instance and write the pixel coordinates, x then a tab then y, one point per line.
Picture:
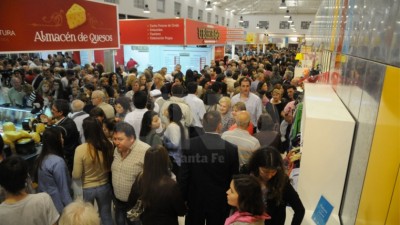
16	83
97	97
291	90
177	90
245	195
135	86
108	128
150	121
265	123
13	174
44	87
244	84
158	78
212	122
60	108
140	99
192	87
224	105
52	140
142	79
77	105
178	67
156	155
79	212
262	87
122	105
243	119
124	136
266	164
276	95
91	126
237	107
97	113
174	113
178	80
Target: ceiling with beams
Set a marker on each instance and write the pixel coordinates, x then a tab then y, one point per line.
249	7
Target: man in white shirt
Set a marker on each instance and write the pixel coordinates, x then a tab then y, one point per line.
98	101
197	107
135	117
78	115
253	102
240	137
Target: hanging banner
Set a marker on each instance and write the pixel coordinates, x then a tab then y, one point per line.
199	33
27	26
152	32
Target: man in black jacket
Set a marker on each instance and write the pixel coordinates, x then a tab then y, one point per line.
206	173
60	110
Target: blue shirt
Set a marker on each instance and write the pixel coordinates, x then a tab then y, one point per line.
54	179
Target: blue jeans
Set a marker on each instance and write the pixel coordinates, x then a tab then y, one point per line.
103	196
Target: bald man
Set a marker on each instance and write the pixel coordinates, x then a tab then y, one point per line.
98	100
240	137
78	115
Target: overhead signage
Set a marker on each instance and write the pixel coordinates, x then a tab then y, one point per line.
198	33
57	25
152	31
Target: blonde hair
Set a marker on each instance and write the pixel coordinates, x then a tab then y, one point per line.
225	99
79	212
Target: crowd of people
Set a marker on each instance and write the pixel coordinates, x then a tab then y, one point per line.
206	144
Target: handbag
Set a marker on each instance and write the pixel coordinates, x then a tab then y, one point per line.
136	211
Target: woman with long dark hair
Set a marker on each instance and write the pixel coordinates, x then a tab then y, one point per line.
160	207
175	136
266	164
51	171
150	123
92	164
245	196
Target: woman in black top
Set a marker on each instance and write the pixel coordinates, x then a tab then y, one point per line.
160	194
267	165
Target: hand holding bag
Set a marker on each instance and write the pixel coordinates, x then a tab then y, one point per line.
137	210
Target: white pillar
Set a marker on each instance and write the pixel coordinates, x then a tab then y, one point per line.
232	51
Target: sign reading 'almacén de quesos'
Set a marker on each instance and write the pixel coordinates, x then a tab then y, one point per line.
57	25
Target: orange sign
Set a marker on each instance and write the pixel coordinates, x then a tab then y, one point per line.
27	26
219	52
152	31
199	33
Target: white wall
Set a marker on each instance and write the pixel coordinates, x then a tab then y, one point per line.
126	7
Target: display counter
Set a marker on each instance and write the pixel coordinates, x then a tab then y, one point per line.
15	115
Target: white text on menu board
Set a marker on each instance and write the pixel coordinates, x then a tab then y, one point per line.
156	31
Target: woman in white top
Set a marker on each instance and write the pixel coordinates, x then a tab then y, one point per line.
175	136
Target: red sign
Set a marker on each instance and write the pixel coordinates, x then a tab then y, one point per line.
199	33
219	52
27	26
152	31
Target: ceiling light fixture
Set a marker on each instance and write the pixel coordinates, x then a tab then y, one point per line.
290	20
178	15
146	9
283	5
258	26
241	19
287	14
209	6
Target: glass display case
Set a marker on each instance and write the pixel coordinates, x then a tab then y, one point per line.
15	115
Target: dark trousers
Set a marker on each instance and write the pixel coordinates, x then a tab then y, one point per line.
199	217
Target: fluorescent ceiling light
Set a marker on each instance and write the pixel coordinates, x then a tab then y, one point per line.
283	5
287	14
208	6
146	9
